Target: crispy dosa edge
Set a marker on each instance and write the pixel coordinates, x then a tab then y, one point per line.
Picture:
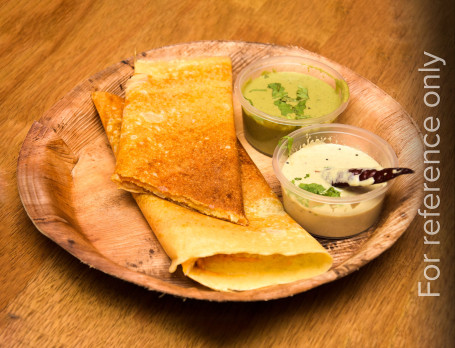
111	107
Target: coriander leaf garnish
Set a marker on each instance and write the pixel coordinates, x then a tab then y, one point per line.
300	107
277	90
284	108
331	192
251	102
290	140
306	176
313	188
288	105
302	93
297	178
320	190
302	97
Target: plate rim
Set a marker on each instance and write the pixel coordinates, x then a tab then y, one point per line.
360	258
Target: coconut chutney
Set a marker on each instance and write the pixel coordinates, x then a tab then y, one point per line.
329	218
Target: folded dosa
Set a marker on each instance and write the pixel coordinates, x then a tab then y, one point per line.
272	249
178	136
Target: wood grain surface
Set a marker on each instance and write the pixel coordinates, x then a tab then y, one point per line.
49	298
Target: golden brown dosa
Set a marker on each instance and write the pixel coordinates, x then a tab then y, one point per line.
112	105
178	136
272	249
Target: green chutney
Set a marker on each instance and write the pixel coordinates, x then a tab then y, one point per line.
291	95
291	99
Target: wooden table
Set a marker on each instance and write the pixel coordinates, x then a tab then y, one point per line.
49	298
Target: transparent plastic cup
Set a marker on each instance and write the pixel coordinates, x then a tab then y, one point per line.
263	131
334	217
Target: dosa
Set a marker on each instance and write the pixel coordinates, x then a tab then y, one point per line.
178	136
272	249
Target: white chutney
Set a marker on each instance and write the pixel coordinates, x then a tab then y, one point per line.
329	216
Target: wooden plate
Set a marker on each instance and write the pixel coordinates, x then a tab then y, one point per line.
65	165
